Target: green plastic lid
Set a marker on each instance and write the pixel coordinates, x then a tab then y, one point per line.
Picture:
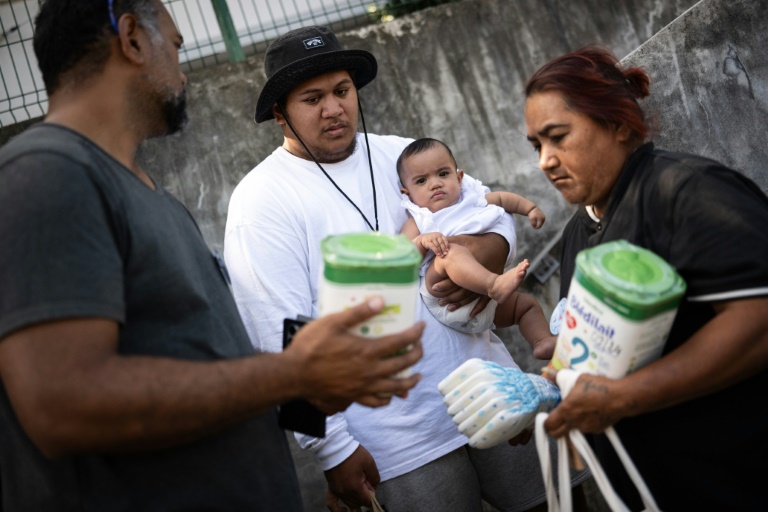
370	257
634	281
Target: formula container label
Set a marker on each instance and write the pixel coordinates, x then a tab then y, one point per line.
596	339
360	265
398	314
620	308
399	311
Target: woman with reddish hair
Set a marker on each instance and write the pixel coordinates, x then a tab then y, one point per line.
690	420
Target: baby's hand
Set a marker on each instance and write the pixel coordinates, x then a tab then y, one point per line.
436	242
536	217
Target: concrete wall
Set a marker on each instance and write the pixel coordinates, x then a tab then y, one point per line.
453	72
456	72
710	84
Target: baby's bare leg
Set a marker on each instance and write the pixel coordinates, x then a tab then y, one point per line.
523	310
490	250
463	269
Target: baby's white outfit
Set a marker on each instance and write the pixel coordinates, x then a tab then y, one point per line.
471	215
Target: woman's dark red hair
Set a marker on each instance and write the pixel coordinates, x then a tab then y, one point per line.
593	83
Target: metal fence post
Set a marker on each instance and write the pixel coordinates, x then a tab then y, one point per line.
228	32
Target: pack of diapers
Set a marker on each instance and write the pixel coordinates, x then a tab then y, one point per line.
491	404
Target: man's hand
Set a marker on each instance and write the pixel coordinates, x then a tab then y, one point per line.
536	217
435	242
335	367
353	481
74	393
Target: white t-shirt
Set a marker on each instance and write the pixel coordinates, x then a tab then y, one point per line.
278	215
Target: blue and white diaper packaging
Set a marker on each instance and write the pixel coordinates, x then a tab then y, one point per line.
491	404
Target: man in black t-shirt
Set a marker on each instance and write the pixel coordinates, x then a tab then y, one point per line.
128	382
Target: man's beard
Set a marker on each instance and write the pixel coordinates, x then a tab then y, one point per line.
317	153
175	113
331	158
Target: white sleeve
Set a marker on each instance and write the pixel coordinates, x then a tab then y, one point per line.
335	447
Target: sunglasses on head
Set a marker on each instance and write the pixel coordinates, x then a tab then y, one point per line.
112	19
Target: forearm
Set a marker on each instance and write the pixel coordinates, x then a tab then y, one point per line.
730	348
73	393
512	203
128	403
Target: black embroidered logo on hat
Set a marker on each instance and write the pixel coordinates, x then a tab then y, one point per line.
313	42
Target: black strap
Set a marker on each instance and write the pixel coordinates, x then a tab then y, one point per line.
370	166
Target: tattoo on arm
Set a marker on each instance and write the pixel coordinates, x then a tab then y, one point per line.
591	386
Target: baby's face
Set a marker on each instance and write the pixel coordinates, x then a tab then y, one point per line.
431	179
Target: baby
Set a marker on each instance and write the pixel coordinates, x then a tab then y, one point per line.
444	202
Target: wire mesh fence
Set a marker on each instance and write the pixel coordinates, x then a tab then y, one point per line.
215	31
22	95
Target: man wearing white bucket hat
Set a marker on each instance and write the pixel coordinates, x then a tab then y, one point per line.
328	179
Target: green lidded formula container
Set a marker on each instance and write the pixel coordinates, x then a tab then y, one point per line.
620	308
358	265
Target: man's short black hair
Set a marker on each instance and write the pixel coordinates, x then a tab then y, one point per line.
419	146
73	34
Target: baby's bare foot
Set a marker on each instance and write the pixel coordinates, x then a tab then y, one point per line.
544	348
506	284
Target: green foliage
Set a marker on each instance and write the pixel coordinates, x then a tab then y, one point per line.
397	8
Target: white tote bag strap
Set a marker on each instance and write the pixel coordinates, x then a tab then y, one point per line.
634	474
582	446
542	447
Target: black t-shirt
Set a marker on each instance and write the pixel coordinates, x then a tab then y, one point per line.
82	236
708	222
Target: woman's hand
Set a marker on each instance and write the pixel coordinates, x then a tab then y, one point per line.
594	404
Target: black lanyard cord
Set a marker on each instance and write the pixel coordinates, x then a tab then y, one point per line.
370	166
